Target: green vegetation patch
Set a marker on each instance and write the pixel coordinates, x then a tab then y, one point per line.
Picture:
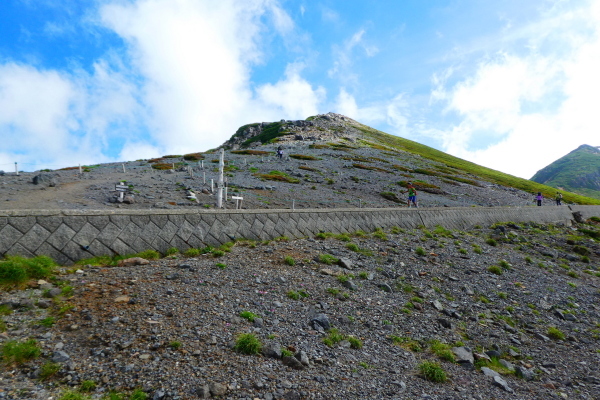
432	371
303	157
278	176
193	157
13	352
269	132
468	167
371	168
16	270
248	152
391	196
165	166
247	343
304	167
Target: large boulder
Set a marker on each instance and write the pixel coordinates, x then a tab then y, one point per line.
45	179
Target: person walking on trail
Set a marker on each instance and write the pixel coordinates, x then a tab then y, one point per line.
280	153
412	195
558	198
539	198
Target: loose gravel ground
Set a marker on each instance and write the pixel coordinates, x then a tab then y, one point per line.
168	326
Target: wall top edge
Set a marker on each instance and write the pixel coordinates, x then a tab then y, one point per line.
36	213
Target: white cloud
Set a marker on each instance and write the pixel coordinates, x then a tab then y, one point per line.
294	97
344	55
196	58
394	112
53	119
519	112
180	84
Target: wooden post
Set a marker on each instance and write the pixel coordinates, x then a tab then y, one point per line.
220	182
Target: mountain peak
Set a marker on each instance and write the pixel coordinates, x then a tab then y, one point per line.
329	126
578	171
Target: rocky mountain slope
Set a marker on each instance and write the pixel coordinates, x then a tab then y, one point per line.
330	161
578	171
503	312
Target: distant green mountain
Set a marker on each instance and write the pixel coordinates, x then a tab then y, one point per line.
577	172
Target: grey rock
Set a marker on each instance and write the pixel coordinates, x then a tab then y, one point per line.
272	350
60	357
158	395
203	392
52	293
292	395
524	373
349	284
385	287
292	362
322	320
541	337
217	389
493	353
345	263
501	383
437	305
489	372
302	357
45	179
259	322
463	355
42	303
507	365
445	323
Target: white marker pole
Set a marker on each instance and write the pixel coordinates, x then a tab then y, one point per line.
123	167
80	171
212	186
203	178
220	184
16	169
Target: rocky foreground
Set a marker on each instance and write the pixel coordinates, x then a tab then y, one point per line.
510	312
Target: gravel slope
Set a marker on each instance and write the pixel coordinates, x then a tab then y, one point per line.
126	322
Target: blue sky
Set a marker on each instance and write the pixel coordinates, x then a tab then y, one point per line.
512	85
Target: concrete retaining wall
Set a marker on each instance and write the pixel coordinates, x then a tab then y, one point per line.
68	236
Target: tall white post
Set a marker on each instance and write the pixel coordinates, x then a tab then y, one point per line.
16	168
212	186
220	183
80	171
173	166
123	167
203	178
293	204
202	164
225	193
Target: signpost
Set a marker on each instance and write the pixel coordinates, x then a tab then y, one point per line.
121	187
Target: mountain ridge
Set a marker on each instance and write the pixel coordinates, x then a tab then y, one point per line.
578	171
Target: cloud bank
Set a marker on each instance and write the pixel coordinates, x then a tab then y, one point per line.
181	82
520	111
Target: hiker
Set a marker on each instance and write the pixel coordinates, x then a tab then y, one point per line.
539	198
412	195
280	153
558	198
